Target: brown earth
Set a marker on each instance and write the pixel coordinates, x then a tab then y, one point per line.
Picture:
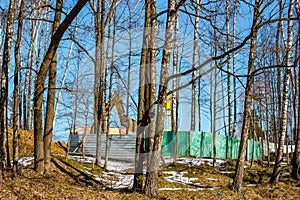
26	144
69	179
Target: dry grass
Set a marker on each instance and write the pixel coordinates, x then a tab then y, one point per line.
26	147
69	180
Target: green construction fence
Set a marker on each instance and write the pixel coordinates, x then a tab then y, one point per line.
200	144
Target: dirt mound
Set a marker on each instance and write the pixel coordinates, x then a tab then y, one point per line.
26	143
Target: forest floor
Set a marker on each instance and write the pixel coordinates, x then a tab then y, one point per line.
70	179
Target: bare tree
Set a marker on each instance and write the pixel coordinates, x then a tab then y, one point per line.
16	89
195	54
151	185
285	98
296	155
146	60
50	110
40	81
4	151
239	171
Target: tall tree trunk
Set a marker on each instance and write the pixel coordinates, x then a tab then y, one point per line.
267	92
99	86
228	69
151	184
39	86
239	171
214	132
150	93
50	112
145	90
296	155
234	73
110	72
28	77
285	98
279	34
16	90
175	96
195	55
129	67
96	82
4	151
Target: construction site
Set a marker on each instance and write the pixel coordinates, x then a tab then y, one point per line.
122	140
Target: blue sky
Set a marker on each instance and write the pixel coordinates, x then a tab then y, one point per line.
86	38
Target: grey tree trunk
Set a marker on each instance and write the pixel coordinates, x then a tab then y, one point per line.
16	90
110	81
195	55
229	70
4	151
239	171
234	72
146	92
151	184
28	77
97	82
175	96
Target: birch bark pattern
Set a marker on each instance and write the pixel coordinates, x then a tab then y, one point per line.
4	151
285	98
296	156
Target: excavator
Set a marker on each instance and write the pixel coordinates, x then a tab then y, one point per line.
129	123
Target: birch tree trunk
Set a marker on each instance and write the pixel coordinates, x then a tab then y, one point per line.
239	171
229	70
195	55
234	73
296	155
285	98
4	151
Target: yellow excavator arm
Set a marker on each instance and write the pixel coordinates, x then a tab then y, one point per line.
129	123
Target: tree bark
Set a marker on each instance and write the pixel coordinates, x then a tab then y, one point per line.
175	96
296	155
195	55
16	90
50	111
110	72
228	69
239	171
285	98
234	73
147	68
39	86
151	185
4	151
